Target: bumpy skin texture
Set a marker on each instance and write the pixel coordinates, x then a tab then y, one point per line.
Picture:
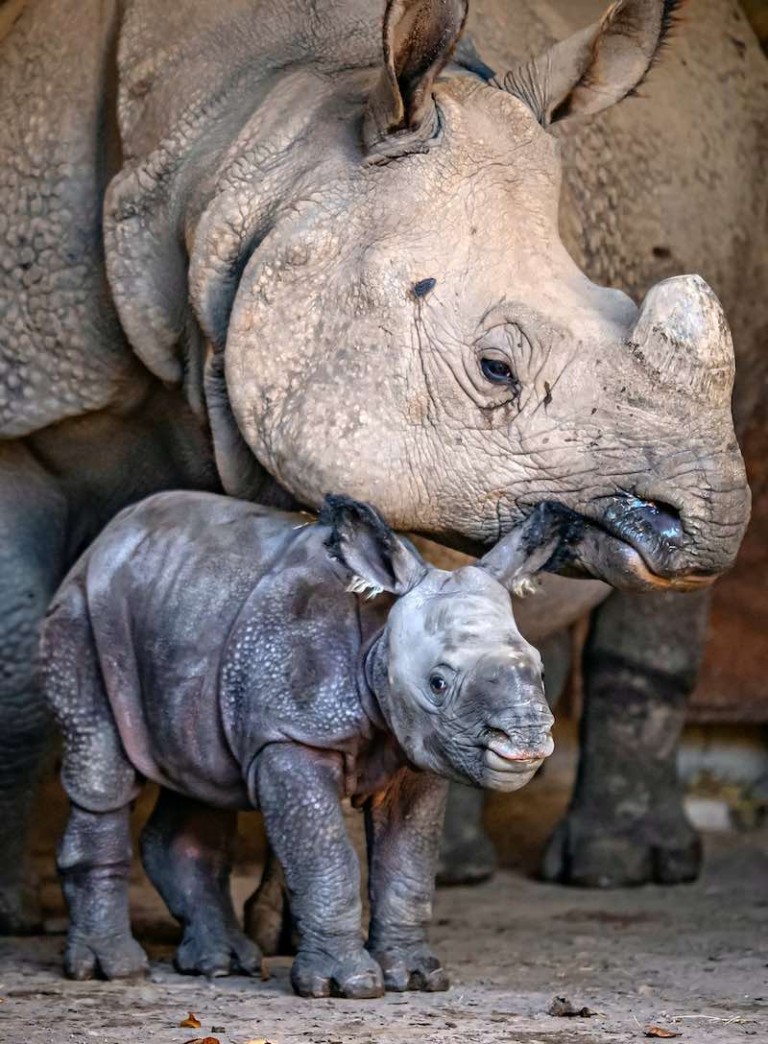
222	649
191	179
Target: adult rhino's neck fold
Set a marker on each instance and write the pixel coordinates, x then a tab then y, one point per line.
179	149
240	472
288	148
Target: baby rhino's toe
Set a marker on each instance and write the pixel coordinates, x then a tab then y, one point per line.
411	968
355	976
104	957
217	953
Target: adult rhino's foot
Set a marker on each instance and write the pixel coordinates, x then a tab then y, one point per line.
356	975
588	851
215	952
19	910
108	956
467	855
411	968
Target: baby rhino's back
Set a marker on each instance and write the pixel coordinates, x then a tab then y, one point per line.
151	605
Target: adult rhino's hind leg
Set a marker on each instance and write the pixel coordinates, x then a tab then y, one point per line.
186	848
626	824
32	524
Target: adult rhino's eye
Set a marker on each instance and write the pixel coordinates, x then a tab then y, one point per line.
437	684
497	371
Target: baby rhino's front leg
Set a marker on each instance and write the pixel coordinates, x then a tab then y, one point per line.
404	825
299	795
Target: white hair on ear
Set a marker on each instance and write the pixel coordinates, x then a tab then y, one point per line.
359	585
525	586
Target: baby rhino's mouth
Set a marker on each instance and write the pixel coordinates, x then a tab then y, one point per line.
519	754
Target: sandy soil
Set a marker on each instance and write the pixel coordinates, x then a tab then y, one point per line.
691	959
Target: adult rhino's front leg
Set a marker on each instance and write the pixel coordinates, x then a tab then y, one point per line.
626	824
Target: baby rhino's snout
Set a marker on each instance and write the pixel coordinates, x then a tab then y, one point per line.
517	721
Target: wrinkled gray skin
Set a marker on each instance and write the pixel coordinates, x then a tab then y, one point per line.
239	249
233	654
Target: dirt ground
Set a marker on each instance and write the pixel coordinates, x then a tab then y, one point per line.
692	959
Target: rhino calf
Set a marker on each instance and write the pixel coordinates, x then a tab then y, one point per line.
226	651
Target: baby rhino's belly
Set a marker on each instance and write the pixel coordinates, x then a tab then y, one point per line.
179	743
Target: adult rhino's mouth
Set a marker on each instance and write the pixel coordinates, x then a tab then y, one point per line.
630	542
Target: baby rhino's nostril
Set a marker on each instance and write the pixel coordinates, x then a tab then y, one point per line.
532	743
498	734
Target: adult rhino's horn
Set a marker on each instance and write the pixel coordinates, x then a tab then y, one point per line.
682	336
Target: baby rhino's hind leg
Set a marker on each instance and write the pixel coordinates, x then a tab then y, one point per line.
94	857
94	861
186	848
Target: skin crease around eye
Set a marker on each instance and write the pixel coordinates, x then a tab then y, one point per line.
494	361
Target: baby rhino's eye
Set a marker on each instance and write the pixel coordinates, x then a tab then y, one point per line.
437	683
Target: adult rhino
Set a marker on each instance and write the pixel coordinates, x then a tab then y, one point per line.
242	249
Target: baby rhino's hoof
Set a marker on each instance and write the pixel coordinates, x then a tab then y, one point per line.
411	968
217	953
104	957
357	976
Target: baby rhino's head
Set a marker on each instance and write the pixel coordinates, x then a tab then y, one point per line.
459	686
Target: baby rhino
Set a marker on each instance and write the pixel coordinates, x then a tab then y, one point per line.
235	655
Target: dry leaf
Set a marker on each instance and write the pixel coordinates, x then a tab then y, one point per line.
659	1031
562	1008
258	1040
191	1021
203	1040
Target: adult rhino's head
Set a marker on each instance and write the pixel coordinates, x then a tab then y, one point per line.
378	269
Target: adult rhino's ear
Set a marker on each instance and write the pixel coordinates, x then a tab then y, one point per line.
532	546
597	67
362	541
419	37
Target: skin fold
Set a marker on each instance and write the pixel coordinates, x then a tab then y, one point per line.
276	249
239	657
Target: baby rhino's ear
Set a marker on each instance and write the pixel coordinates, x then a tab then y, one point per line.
530	547
363	542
